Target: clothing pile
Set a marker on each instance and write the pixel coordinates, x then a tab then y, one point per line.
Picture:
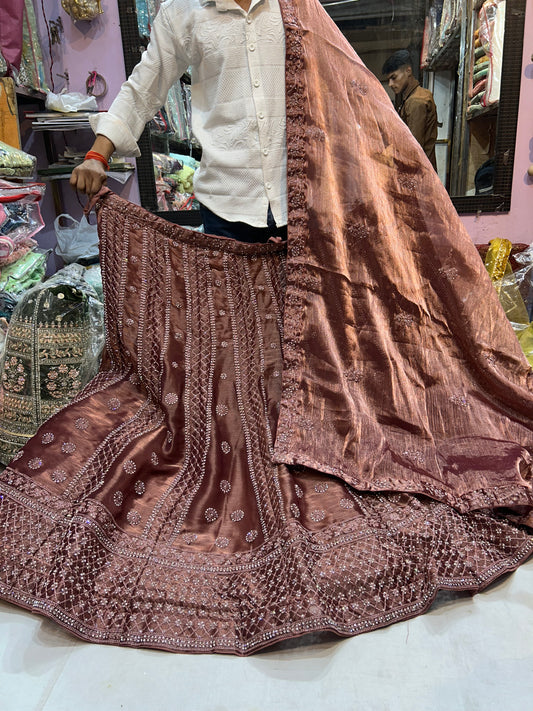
22	264
174	175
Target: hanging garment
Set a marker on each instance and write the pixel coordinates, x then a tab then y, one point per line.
280	443
11	21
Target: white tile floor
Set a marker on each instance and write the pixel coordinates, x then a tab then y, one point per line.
471	654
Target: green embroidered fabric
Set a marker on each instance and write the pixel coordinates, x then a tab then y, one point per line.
52	350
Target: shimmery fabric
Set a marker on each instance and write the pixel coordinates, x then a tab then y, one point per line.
178	507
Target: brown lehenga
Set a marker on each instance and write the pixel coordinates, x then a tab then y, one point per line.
283	440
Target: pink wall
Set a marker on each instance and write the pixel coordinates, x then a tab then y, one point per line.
516	225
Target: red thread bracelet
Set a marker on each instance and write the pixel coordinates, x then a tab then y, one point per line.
93	155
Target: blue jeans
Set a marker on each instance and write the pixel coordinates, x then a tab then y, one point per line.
215	225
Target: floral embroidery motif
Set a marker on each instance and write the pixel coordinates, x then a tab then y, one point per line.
321	487
237	515
48	438
113	403
189	538
81	423
346	504
133	518
129	466
356	231
35	463
354	375
298	490
404	319
461	401
295	511
68	447
224	344
171	398
225	486
62	381
118	498
315	134
225	447
222	542
58	476
13	377
211	515
408	182
359	88
222	410
139	487
223	376
451	273
222	312
170	437
174	364
317	515
415	455
154	459
251	536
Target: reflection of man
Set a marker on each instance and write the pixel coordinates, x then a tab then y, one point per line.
416	107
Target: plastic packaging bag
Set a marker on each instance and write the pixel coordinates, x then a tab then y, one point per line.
82	9
69	103
77	242
514	290
20	216
52	349
14	162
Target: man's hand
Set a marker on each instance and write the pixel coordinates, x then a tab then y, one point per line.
88	177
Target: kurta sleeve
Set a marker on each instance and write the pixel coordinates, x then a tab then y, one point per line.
145	91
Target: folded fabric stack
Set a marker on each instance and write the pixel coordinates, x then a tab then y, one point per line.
487	65
442	23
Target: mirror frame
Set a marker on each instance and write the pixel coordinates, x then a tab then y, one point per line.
497	201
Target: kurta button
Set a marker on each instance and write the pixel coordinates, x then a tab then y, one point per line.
251	47
265	151
257	82
268	186
261	115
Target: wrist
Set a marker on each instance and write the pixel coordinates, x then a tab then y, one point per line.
94	155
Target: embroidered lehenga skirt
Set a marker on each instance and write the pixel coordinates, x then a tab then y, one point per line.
150	512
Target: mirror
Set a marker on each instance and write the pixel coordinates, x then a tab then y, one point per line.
467	53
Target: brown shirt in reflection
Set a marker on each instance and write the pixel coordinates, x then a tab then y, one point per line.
418	111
